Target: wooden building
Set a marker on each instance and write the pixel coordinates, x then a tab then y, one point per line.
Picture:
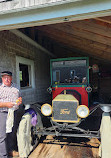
33	31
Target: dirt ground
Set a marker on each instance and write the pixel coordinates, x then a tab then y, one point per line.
66	148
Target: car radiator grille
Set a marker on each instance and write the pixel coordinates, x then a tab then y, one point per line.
65	111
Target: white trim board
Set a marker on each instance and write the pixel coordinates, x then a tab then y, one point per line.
71	11
27	62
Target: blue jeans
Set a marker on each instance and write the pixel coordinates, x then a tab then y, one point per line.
3	150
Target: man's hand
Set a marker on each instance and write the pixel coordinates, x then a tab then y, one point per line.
9	104
19	101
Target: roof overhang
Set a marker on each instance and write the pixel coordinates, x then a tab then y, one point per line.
49	14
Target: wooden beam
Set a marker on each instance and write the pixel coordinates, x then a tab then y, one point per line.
29	40
82	33
91	26
71	42
105	19
76	39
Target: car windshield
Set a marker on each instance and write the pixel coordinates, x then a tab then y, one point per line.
69	72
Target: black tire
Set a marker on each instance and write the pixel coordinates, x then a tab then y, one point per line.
27	134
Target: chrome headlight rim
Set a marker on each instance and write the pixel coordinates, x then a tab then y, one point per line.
82	106
44	106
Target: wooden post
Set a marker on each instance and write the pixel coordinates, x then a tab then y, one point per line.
105	130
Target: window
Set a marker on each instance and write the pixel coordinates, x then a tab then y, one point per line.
56	75
69	72
25	73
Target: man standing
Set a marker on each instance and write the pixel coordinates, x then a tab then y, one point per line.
9	93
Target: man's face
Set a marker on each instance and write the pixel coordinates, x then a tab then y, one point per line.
6	79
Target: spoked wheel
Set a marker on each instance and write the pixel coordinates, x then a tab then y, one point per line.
27	137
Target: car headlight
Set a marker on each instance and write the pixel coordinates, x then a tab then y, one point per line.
46	109
82	111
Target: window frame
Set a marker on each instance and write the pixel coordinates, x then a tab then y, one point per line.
22	60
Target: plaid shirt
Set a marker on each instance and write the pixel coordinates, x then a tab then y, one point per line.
8	94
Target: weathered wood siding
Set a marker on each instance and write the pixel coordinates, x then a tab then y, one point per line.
12	46
19	4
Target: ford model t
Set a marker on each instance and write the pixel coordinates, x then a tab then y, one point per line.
70	98
72	104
